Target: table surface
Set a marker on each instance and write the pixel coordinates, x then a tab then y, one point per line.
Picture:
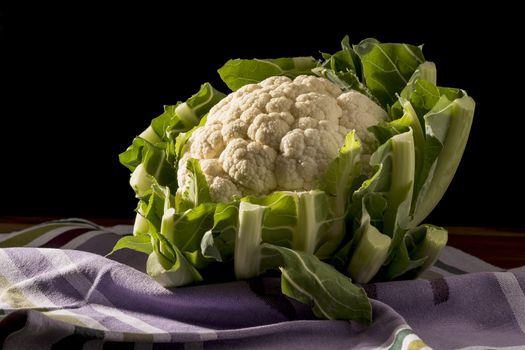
498	246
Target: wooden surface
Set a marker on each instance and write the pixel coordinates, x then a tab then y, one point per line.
501	247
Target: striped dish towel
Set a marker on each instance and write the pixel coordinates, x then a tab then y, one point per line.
57	290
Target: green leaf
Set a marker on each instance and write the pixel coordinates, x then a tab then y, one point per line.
451	93
182	138
339	181
344	169
314	221
178	274
407	119
341	61
151	157
363	256
424	97
435	239
346	80
148	160
140	243
306	221
197	106
196	191
431	151
397	159
369	255
247	258
447	127
401	263
344	69
298	220
153	207
375	204
185	115
141	224
387	68
344	60
219	242
176	255
185	230
165	253
140	181
239	72
388	197
132	157
313	282
168	119
280	219
419	250
427	72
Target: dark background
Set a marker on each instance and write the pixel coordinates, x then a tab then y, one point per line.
79	83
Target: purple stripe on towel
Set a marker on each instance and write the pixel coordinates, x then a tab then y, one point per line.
64	238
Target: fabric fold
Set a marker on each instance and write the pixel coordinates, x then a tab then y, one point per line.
60	298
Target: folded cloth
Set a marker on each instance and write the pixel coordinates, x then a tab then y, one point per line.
69	299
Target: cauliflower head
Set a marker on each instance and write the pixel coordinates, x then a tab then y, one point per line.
279	134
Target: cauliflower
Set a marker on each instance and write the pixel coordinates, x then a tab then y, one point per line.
269	176
279	134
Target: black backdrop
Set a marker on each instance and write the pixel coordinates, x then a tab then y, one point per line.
79	83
